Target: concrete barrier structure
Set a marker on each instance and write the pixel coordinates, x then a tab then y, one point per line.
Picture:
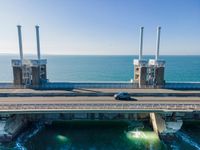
28	72
140	65
162	126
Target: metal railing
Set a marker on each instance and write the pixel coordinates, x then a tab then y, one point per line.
109	85
123	107
182	85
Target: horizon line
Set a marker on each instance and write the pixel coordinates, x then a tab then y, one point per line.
32	54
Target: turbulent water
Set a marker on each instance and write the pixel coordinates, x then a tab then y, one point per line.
104	135
95	135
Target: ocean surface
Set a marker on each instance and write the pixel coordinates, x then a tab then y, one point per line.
105	68
96	135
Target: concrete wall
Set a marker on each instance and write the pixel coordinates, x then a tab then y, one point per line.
17	75
136	73
158	123
44	70
143	75
35	75
140	74
159	76
39	74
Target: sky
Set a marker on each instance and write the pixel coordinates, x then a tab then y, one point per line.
101	27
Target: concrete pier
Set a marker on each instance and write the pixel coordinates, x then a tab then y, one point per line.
11	126
29	72
17	74
140	65
158	123
162	126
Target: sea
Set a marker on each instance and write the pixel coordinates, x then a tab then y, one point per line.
103	135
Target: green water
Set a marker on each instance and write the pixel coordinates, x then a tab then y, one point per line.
101	135
94	136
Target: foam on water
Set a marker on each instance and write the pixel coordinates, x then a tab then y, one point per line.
142	137
23	138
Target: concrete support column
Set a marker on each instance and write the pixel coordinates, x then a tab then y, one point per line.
38	41
141	42
17	75
158	123
158	43
20	42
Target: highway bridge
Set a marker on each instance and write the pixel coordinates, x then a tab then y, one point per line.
31	93
157	105
97	100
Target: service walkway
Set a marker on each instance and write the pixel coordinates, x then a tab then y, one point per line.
96	92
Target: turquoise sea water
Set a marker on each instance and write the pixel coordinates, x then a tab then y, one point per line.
106	68
103	135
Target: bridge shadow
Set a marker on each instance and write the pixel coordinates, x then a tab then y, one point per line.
73	90
80	90
131	99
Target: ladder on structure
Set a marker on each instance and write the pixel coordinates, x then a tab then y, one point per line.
151	75
26	74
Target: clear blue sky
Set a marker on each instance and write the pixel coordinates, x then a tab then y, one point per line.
101	27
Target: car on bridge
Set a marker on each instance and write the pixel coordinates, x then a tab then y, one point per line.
122	96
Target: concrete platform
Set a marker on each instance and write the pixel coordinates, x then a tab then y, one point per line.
97	104
149	100
97	92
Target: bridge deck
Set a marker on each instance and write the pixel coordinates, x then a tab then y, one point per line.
97	92
97	100
97	104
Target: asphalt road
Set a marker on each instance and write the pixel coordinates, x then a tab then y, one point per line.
98	99
84	90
